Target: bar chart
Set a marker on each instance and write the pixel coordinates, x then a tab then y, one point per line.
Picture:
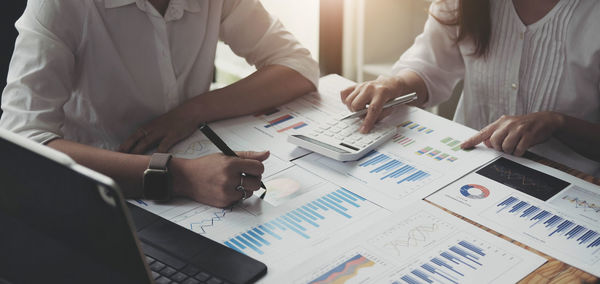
387	168
554	224
452	265
411	125
317	216
279	121
554	229
436	154
403	140
418	245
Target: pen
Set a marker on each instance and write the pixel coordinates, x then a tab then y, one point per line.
215	139
399	100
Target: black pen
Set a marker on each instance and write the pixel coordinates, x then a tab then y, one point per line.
215	139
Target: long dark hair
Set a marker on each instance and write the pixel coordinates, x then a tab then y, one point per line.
474	23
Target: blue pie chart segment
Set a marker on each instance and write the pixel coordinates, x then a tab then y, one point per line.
474	191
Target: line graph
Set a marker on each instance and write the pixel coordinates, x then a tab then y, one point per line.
412	234
415	237
582	204
524	179
200	227
579	201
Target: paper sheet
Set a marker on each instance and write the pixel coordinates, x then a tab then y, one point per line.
424	156
541	207
280	236
420	244
315	203
269	129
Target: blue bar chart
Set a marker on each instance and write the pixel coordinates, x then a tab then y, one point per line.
449	266
513	209
388	168
322	213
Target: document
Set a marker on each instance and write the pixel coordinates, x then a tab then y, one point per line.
315	203
198	145
424	156
304	222
419	244
269	129
536	205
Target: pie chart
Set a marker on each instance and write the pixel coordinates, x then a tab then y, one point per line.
474	191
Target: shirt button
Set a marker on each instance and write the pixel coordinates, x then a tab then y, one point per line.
521	35
514	86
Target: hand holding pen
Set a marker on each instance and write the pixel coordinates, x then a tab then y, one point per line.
217	141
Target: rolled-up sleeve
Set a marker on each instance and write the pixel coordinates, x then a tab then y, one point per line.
261	39
435	55
41	71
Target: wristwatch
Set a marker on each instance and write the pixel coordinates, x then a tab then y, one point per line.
157	182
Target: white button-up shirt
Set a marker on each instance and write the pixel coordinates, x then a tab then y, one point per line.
550	65
93	71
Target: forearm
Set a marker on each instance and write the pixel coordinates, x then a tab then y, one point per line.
271	86
580	135
125	169
411	82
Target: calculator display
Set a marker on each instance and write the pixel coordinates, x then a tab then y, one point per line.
324	145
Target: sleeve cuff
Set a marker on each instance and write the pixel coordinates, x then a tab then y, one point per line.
308	68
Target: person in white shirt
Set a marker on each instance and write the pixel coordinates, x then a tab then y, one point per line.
531	71
107	80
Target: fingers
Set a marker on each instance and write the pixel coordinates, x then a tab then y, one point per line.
247	166
145	144
524	144
510	142
132	140
352	96
487	143
483	135
346	92
364	97
258	156
167	143
251	184
373	113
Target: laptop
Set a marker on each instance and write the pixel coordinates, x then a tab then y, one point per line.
63	223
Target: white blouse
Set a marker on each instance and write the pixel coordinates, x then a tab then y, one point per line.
93	71
550	65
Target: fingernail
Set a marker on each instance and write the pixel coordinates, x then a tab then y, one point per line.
363	130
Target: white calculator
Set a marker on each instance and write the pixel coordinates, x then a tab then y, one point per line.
341	140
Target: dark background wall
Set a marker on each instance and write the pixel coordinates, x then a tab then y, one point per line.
8	16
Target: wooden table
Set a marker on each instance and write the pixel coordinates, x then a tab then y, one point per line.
554	270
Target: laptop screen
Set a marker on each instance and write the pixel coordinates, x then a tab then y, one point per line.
60	226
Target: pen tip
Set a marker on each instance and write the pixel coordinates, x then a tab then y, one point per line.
262	196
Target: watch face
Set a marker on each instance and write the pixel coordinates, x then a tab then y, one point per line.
156	185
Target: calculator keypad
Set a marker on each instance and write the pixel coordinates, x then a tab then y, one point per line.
345	133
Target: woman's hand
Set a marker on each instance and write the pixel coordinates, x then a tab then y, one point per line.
515	134
162	132
213	179
378	92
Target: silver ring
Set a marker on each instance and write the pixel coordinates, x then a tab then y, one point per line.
240	188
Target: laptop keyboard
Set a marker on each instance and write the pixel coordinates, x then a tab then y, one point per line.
165	274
